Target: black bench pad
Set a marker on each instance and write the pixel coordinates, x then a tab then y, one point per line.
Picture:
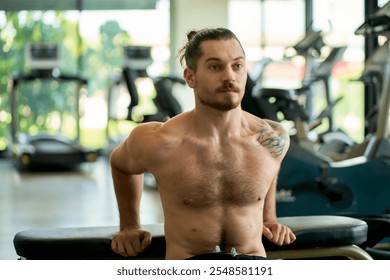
95	242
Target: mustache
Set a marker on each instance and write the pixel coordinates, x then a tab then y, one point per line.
229	86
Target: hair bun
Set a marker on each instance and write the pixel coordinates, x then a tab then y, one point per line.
191	34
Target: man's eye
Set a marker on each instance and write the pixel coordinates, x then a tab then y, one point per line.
214	67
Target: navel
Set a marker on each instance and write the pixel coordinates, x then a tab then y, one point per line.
186	202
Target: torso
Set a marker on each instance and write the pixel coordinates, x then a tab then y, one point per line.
213	193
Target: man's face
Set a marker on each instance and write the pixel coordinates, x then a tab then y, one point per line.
220	78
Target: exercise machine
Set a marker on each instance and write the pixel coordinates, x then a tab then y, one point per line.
123	94
372	77
137	59
297	105
254	100
357	186
44	150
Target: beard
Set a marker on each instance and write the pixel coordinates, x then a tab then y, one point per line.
225	98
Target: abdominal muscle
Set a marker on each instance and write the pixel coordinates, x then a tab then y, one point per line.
199	231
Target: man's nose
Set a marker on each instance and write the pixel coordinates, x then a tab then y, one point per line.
229	75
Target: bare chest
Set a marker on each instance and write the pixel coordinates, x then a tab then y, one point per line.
204	176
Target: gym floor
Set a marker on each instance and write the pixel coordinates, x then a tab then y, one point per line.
44	200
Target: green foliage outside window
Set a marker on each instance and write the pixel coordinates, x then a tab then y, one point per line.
49	106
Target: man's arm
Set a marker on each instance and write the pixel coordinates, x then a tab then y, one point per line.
269	212
272	230
127	175
275	232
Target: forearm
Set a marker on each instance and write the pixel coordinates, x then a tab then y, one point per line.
128	190
269	213
269	216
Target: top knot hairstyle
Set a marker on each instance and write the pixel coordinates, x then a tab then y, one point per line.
191	51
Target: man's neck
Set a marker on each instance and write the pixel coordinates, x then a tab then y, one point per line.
212	122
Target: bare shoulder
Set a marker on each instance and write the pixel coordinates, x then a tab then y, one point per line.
146	138
130	154
150	141
274	137
144	132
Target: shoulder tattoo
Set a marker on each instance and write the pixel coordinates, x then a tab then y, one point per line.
273	136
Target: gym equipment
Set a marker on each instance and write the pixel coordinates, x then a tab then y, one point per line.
357	186
310	47
122	87
137	60
296	105
372	77
45	151
255	93
317	237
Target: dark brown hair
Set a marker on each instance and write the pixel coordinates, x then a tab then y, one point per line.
191	51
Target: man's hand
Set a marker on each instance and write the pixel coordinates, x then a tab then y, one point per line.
130	242
278	234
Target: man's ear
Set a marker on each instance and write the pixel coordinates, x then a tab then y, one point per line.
189	76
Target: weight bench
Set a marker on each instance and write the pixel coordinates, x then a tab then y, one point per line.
317	237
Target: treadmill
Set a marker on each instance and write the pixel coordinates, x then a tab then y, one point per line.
138	59
45	151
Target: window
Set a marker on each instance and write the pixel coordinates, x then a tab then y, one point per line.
96	54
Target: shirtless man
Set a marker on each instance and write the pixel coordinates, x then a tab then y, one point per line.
216	166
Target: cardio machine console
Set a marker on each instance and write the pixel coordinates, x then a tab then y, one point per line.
42	56
137	57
